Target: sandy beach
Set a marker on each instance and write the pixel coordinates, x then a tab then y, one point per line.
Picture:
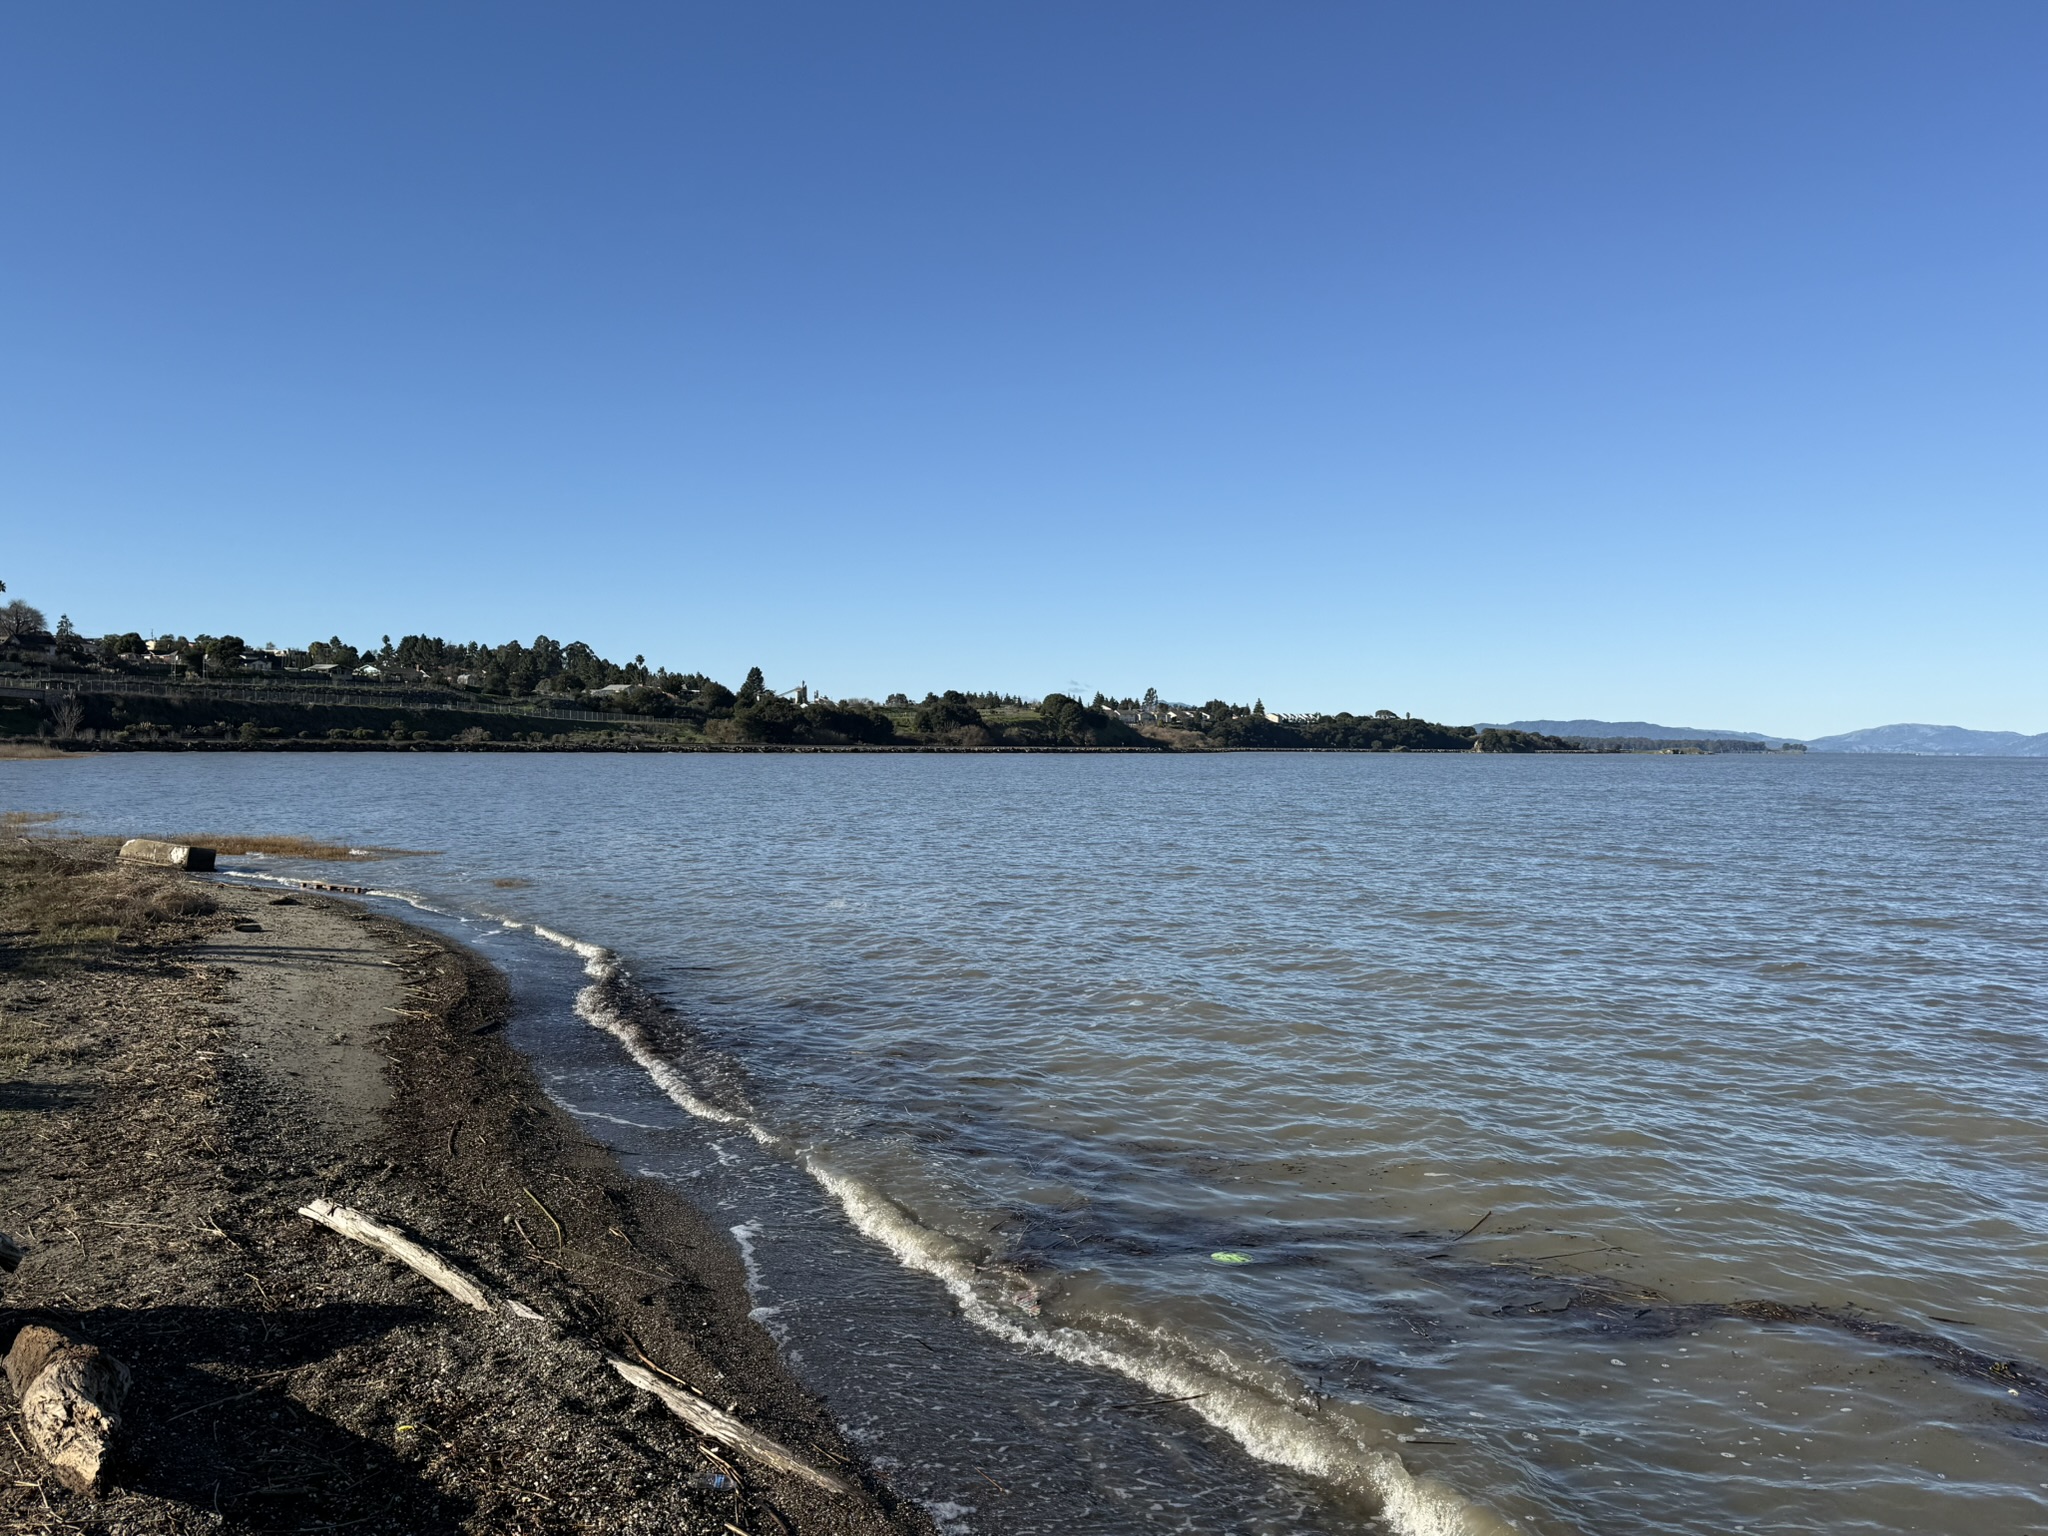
183	1065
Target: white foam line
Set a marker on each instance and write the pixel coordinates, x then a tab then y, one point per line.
768	1316
592	1114
409	899
602	966
1268	1430
415	902
253	874
744	1234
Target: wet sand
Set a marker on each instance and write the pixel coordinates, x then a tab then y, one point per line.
165	1108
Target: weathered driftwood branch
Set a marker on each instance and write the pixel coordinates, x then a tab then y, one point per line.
687	1406
707	1420
394	1244
70	1402
11	1254
150	850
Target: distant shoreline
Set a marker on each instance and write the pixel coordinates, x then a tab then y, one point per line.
502	748
36	750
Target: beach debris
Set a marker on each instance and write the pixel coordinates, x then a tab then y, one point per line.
396	1245
11	1254
1155	1402
685	1404
247	925
70	1402
1482	1221
561	1237
1227	1257
723	1427
150	850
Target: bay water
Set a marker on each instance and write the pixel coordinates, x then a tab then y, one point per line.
1294	1143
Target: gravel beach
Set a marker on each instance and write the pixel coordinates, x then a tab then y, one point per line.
187	1064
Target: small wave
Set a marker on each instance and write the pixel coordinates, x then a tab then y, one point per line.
594	1114
410	900
607	1004
768	1317
1004	1302
1269	1430
744	1234
260	877
253	876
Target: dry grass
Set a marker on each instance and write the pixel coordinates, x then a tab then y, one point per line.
294	847
1179	740
70	894
32	749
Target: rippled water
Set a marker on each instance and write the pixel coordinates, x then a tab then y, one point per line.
1595	1145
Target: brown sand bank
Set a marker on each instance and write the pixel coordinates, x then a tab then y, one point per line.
170	1096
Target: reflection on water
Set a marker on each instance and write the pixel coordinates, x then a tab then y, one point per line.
1642	1144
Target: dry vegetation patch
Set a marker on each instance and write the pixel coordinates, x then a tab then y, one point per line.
66	894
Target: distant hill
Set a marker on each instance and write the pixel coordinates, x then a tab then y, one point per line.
1640	729
1941	740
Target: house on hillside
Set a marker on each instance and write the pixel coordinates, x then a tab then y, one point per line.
34	642
369	669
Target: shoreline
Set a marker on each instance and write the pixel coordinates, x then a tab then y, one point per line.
169	1101
854	749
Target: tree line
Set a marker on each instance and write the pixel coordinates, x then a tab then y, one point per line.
546	670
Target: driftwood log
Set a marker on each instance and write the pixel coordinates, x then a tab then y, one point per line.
707	1420
395	1244
150	850
70	1402
687	1406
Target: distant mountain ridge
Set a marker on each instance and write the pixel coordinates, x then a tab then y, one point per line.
1611	729
1937	740
1928	740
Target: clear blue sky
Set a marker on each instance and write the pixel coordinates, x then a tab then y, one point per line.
1484	361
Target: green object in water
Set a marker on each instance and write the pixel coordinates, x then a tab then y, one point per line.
1231	1258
